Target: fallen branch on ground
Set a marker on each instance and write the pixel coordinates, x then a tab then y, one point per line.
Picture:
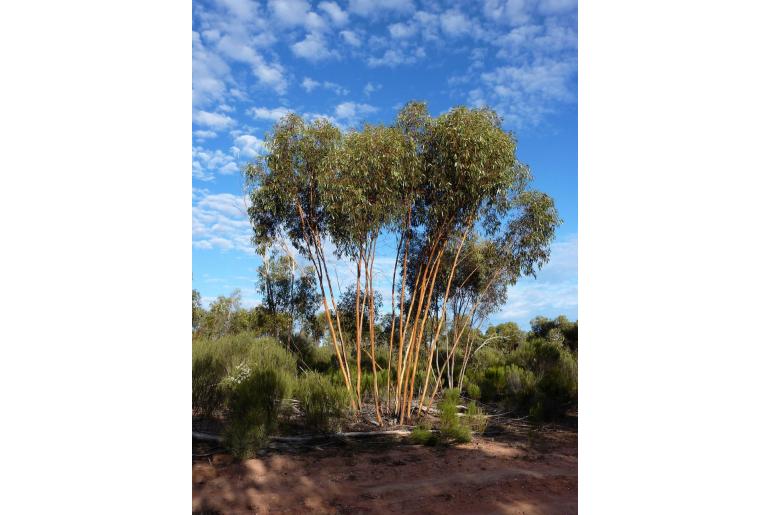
304	438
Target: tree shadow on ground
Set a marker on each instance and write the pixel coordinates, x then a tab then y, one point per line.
504	472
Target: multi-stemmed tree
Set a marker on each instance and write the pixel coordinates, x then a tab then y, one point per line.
435	184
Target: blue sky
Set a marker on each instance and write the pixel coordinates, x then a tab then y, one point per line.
360	60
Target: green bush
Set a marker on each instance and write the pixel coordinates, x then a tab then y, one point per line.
488	357
424	436
207	396
492	384
246	377
545	381
254	404
473	390
323	403
219	365
475	417
452	429
521	385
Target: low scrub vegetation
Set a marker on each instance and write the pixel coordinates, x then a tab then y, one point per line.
323	403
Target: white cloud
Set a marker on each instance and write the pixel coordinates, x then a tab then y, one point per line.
204	134
548	79
229	168
509	12
396	57
206	163
313	48
289	12
352	111
553	292
402	30
455	24
210	74
351	38
235	32
371	88
368	7
295	13
220	221
246	9
247	145
310	84
524	94
213	120
335	13
264	113
556	6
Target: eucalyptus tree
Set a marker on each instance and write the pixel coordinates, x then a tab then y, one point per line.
288	289
471	182
520	228
197	309
471	178
474	271
433	182
361	191
284	190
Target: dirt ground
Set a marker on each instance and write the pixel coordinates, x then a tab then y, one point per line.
513	468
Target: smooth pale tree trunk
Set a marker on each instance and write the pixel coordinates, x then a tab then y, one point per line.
319	272
358	322
457	341
469	224
370	286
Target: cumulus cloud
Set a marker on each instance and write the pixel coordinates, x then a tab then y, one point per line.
264	113
313	48
309	85
402	30
510	12
554	291
220	221
334	12
371	88
351	38
455	24
352	111
557	6
524	94
207	163
213	120
396	57
247	145
210	74
204	134
374	7
289	12
234	31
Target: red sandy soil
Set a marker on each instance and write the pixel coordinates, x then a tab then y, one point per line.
516	470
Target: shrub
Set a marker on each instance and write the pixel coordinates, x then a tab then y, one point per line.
207	396
220	365
451	427
246	376
487	357
545	379
476	419
254	403
492	383
423	435
520	386
323	403
473	390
